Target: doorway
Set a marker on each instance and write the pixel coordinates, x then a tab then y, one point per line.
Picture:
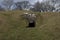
32	24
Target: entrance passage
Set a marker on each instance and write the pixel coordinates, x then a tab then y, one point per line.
31	24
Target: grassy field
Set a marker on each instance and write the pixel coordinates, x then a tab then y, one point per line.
13	26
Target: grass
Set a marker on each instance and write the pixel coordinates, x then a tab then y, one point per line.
13	26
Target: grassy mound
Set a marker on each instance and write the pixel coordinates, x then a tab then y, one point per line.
13	26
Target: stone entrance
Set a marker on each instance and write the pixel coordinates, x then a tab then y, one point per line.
32	24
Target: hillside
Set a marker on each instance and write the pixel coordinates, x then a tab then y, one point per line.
13	26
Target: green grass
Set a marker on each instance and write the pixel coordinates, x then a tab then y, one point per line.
13	26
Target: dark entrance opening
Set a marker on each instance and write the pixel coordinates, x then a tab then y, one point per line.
31	24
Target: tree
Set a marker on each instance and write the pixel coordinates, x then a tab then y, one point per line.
18	6
22	5
53	2
25	4
7	4
36	7
45	7
1	9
